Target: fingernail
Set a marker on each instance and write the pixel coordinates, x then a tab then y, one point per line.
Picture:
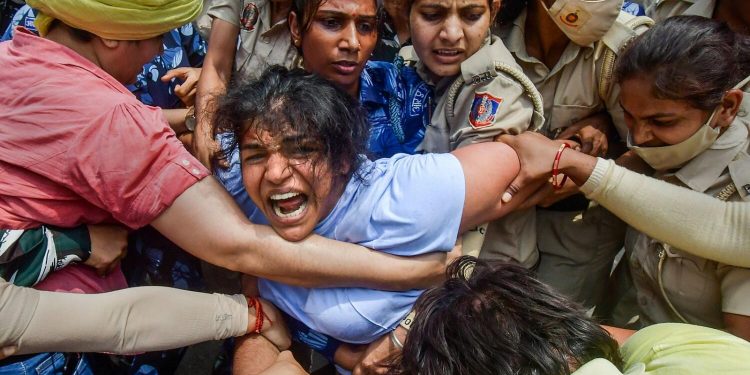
506	197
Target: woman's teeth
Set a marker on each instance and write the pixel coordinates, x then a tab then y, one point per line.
288	205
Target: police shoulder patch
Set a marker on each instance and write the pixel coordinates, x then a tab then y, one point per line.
249	17
484	110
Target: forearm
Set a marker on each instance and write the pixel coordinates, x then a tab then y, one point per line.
253	354
688	220
206	222
126	321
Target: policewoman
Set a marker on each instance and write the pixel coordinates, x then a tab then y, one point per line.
688	119
568	49
480	92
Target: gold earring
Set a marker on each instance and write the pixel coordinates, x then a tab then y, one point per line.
296	42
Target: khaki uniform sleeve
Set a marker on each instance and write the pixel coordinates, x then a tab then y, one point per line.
735	288
483	111
226	10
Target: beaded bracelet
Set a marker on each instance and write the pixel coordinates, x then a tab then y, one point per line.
260	316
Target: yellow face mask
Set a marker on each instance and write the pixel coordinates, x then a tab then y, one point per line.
676	155
117	19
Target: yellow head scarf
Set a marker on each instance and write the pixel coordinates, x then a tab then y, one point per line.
117	19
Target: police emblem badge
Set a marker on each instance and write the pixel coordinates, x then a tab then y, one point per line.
483	110
249	17
573	16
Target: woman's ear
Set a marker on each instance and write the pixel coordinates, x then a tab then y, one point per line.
294	29
729	107
494	9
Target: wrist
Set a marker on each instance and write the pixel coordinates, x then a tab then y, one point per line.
257	317
577	165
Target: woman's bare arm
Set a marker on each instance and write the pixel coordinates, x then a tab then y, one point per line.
205	221
488	170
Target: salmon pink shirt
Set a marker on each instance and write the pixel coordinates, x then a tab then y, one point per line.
76	147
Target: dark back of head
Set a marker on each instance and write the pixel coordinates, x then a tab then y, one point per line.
283	101
499	320
690	58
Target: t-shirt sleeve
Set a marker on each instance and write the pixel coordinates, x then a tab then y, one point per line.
420	210
130	163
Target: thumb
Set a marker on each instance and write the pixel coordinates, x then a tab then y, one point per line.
513	188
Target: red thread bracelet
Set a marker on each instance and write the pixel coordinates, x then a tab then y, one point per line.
556	168
260	316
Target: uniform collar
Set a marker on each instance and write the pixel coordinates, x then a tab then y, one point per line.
278	27
264	7
481	61
703	171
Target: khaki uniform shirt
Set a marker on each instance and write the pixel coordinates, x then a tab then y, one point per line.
570	88
699	289
488	104
569	93
660	10
261	44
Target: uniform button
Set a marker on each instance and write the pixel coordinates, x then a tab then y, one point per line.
185	162
196	171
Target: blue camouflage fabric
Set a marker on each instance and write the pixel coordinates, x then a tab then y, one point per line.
183	47
398	105
25	17
633	8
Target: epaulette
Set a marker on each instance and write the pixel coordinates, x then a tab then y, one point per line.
537	119
622	32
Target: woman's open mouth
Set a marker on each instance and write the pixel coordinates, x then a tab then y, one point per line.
288	205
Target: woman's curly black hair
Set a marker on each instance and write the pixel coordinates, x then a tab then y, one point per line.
283	101
497	320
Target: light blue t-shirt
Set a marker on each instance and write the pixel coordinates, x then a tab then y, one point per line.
406	205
